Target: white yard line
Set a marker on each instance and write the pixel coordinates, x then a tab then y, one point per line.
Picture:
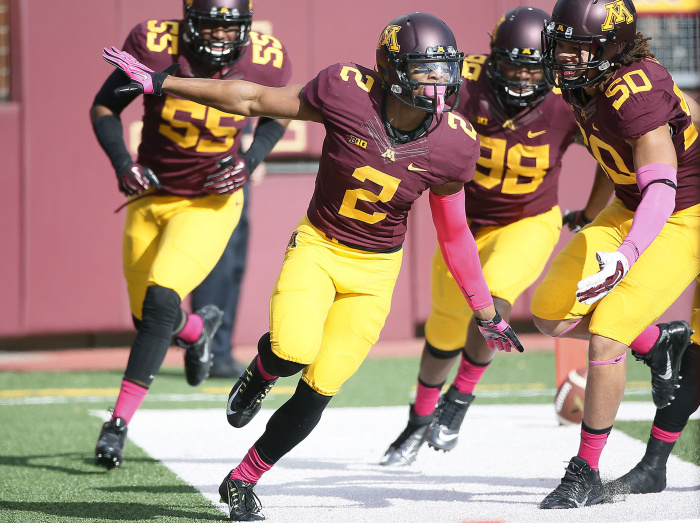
508	458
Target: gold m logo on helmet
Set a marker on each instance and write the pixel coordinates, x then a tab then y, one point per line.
388	38
617	14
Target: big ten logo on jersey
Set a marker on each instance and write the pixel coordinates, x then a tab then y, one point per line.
354	140
472	66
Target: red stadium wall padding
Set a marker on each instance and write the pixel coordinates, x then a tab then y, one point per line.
61	263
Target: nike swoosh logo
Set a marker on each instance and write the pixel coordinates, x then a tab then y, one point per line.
530	134
205	356
448	437
594	127
411	167
230	401
669	372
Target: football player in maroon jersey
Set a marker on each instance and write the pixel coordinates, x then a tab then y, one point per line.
390	136
184	188
511	204
622	271
649	475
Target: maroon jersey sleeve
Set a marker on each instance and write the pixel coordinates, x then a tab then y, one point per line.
366	184
517	173
182	140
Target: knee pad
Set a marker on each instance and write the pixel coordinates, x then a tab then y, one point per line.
161	307
272	363
291	423
439	353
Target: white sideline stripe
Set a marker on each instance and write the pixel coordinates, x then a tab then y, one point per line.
508	458
221	398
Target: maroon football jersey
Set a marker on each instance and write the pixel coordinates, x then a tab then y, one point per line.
182	140
517	174
640	98
365	184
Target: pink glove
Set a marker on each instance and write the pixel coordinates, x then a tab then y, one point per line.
143	79
498	334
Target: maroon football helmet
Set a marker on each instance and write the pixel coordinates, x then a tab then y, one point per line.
516	42
423	41
606	30
226	12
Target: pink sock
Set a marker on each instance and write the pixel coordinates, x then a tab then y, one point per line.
426	399
645	341
129	400
262	372
192	329
663	435
251	468
468	375
591	447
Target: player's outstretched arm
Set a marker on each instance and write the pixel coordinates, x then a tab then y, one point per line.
236	97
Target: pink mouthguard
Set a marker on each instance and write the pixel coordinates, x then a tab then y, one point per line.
430	93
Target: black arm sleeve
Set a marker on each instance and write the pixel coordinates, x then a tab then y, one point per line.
106	95
108	130
267	133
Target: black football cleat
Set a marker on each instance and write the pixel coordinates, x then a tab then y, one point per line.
449	415
648	476
110	444
580	486
404	450
198	355
247	395
243	503
664	360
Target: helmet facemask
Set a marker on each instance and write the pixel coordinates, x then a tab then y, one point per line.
211	51
584	72
512	91
437	61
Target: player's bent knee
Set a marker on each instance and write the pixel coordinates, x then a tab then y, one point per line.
548	327
272	363
441	354
161	306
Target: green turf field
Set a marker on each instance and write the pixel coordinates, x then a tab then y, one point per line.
47	434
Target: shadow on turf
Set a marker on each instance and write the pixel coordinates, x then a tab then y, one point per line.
42	461
106	511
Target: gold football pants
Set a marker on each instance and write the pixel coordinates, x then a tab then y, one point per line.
653	283
174	242
329	305
512	258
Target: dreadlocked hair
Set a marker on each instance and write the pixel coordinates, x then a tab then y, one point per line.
639	52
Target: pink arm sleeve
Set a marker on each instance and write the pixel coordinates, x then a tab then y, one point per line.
459	248
658	202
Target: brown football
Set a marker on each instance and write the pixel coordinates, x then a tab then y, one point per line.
568	402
